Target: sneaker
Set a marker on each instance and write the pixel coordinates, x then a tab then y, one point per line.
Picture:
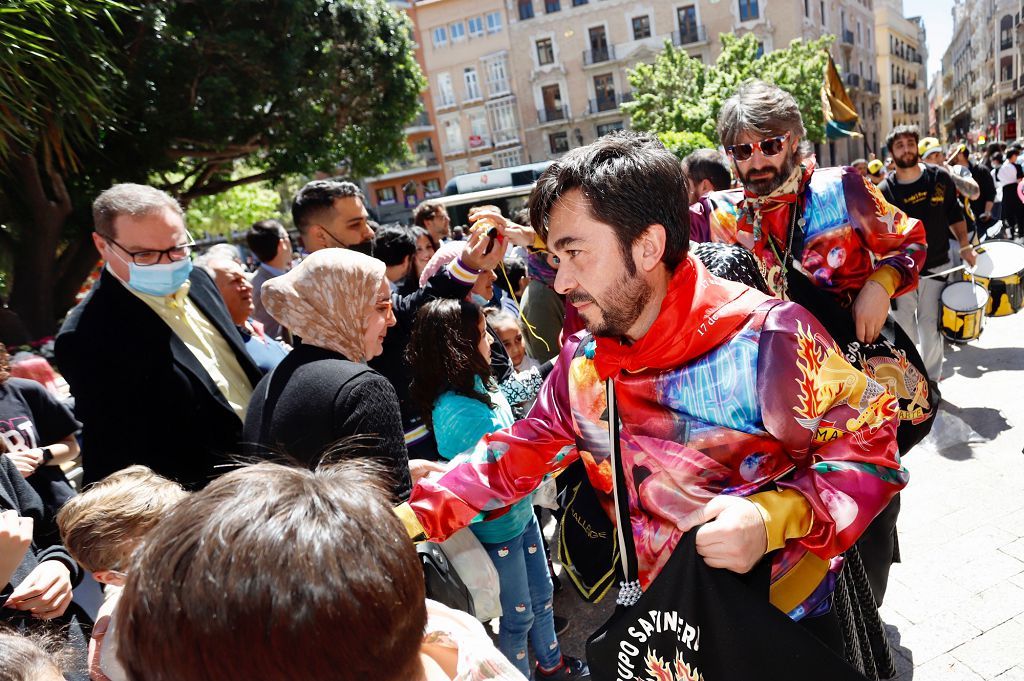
572	669
561	625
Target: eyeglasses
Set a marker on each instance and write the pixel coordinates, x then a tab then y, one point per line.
772	146
147	258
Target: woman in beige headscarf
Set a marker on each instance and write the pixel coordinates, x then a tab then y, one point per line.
338	302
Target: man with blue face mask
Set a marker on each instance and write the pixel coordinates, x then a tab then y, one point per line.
158	370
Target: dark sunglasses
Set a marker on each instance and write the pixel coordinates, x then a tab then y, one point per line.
772	146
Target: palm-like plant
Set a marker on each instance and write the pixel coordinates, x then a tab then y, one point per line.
56	77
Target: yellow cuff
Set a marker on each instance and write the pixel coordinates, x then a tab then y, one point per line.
786	515
888	277
793	588
412	524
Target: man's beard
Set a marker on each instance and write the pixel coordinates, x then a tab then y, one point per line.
626	300
767	185
366	248
901	163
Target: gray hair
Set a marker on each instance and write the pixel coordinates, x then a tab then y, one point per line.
129	199
209	261
759	108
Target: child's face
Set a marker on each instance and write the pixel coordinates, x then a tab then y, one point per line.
485	341
512	338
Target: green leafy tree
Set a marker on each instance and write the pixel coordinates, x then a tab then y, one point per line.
202	88
680	94
682	144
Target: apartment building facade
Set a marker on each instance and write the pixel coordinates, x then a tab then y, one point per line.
902	66
982	72
466	46
394	194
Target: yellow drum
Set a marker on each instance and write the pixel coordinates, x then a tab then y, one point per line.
963	307
1000	269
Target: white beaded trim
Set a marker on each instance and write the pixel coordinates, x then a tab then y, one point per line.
629	593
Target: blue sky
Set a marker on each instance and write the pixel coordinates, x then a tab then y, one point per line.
938	22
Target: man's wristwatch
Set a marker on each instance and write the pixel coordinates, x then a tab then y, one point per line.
47	455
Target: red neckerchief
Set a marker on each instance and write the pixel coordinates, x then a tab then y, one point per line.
699	313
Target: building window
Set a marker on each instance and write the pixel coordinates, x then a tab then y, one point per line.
458	31
687	18
497	77
432	188
525	9
558	142
748	10
760	49
440	36
641	27
551	96
476	26
503	121
479	135
1006	32
494	20
469	77
807	8
1006	68
608	128
604	92
453	136
545	52
552	6
445	91
577	3
507	159
386	196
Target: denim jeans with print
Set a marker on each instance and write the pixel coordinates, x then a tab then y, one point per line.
526	594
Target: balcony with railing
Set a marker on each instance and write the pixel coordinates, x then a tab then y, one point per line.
608	103
852	80
599	55
847	38
872	86
421	121
558	113
692	34
911	84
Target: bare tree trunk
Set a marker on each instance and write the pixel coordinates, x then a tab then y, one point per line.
48	208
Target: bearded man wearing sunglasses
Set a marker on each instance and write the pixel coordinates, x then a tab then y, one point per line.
827	239
830	224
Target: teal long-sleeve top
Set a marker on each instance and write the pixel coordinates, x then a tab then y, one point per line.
459	423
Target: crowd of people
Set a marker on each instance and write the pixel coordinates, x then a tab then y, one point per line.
706	346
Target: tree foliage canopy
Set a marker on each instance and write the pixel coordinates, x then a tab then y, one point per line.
57	75
677	93
181	94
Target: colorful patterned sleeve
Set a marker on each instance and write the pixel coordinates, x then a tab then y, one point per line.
836	424
505	465
896	240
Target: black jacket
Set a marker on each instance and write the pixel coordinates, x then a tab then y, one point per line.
316	397
141	395
987	185
73	627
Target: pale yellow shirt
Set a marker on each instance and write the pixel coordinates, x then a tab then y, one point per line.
205	343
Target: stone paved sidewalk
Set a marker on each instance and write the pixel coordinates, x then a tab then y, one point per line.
955	605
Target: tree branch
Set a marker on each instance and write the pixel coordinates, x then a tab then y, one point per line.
217	187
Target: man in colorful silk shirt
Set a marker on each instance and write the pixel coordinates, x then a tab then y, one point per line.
737	410
831	224
851	242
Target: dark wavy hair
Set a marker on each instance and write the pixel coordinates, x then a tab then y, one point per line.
444	354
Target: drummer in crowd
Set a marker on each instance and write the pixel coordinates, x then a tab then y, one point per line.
927	193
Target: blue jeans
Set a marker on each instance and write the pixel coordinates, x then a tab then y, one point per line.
526	594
